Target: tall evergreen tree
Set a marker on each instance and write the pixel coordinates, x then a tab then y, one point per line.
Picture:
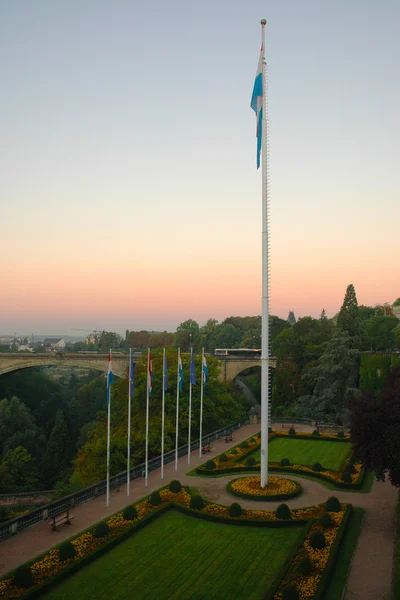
348	319
57	451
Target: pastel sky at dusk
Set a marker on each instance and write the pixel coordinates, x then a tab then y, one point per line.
130	197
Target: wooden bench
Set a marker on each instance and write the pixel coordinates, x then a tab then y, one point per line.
207	448
229	437
60	518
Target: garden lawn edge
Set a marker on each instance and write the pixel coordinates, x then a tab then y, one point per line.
294	494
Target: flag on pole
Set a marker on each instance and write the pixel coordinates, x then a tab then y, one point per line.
204	369
165	373
132	375
109	377
192	368
256	103
150	373
180	371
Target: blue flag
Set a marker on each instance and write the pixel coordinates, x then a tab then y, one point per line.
192	368
165	373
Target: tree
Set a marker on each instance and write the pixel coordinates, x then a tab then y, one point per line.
20	470
348	319
109	339
375	425
380	333
187	334
18	428
57	452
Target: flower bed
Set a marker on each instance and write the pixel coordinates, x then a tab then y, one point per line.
278	488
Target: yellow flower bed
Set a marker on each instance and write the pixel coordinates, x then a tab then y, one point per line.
251	486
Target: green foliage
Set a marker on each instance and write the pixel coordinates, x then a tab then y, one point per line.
285	462
3	513
233	451
317	540
130	512
317	467
305	566
283	512
350	468
235	510
269	429
332	504
346	477
244	444
251	461
210	465
101	530
380	332
67	550
155	499
18	428
340	434
348	320
292	431
316	433
58	451
326	520
196	502
23	577
223	457
175	486
20	470
290	592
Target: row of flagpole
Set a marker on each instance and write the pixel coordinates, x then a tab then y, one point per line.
149	389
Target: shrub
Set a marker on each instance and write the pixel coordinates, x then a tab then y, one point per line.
175	486
305	566
292	431
317	540
101	530
285	462
67	550
130	513
290	592
196	502
326	520
350	468
317	467
155	499
3	513
235	510
233	451
251	461
210	465
316	432
223	457
340	434
332	504
346	477
283	512
244	444
252	441
23	577
269	429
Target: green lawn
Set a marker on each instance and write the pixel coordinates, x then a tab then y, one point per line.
331	455
178	556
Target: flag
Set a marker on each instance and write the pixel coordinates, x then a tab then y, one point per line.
256	103
150	373
180	371
204	369
192	368
132	375
109	377
165	373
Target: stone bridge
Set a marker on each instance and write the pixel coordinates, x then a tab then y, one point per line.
233	365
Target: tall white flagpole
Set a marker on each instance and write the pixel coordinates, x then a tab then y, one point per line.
201	402
177	412
190	402
146	467
163	417
128	457
265	272
108	430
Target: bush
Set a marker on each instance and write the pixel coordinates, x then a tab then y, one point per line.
346	477
244	444
285	462
316	432
292	431
317	467
332	504
175	486
196	502
23	577
317	540
290	592
340	434
155	499
283	512
305	566
3	513
235	510
130	513
67	550
350	469
210	465
326	520
223	457
252	441
101	530
233	451
269	429
251	461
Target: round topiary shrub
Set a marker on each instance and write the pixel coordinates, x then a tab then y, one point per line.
235	510
155	499
283	512
67	550
252	441
251	461
346	477
290	592
340	434
332	504
317	467
23	577
175	486
326	520
129	513
292	431
317	540
101	530
233	451
285	462
244	444
305	566
210	465
196	502
350	469
269	429
316	433
223	457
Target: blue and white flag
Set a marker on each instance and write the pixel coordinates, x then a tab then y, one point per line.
204	369
180	371
165	373
132	375
256	103
109	377
192	368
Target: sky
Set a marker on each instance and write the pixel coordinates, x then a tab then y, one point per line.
129	195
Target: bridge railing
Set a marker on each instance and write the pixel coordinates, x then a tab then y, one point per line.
13	526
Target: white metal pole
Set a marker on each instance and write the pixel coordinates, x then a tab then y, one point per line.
108	437
163	417
128	458
201	402
190	402
177	412
265	273
146	467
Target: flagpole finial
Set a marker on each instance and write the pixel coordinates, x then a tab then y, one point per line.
263	22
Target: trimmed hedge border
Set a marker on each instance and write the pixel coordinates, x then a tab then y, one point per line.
294	494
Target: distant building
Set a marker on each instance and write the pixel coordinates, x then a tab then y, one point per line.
53	344
92	338
291	318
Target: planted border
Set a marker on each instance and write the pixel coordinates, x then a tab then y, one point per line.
296	492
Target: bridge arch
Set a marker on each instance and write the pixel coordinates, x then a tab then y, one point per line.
98	362
231	367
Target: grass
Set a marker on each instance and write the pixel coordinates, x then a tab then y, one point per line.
331	455
340	573
178	556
